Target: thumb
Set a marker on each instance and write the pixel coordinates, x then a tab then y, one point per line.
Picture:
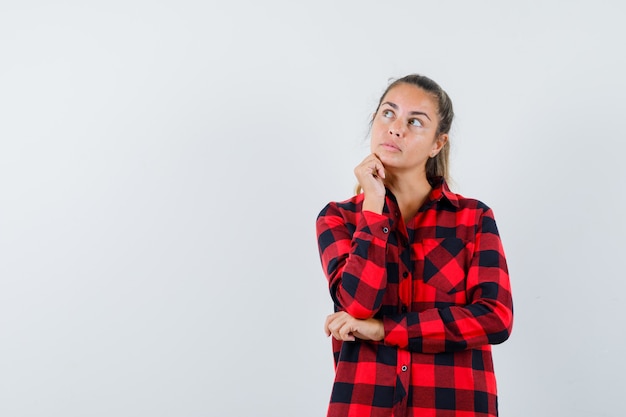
381	171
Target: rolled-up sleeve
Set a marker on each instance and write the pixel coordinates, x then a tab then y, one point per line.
353	258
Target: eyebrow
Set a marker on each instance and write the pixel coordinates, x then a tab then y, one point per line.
395	106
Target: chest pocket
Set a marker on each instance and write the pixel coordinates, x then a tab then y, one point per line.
446	261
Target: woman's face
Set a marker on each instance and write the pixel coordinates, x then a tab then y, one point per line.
404	129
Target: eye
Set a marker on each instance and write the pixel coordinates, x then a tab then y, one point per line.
415	122
387	113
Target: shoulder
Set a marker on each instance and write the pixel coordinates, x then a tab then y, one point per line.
469	211
338	220
442	193
345	208
467	203
476	214
339	217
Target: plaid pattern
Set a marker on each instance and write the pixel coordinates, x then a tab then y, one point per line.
441	286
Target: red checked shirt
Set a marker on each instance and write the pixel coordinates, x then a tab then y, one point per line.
441	287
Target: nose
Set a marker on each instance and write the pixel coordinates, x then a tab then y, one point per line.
396	128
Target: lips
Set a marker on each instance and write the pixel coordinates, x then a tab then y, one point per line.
389	146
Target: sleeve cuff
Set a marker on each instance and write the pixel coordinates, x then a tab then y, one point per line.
396	333
378	225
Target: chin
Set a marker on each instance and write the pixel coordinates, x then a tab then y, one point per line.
387	160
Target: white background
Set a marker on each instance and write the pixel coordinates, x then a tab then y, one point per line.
162	164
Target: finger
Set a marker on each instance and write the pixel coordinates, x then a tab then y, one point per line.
374	169
333	323
345	332
370	160
341	326
344	329
327	322
380	168
335	328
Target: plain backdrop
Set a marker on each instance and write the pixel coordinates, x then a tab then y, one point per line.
162	164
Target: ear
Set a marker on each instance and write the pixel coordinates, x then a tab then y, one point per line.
438	144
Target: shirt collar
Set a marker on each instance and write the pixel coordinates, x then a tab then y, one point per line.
441	190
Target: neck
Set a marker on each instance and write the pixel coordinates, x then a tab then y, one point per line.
411	191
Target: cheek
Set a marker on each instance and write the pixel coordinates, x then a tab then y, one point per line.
375	134
379	130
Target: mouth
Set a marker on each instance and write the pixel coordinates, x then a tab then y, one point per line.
389	146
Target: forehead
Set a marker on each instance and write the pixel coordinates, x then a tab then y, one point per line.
411	97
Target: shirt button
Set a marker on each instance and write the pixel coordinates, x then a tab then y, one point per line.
385	230
403	309
405	274
404	368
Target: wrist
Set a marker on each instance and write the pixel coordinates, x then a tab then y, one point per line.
374	204
380	333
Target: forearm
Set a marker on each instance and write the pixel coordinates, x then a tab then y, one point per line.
355	263
482	315
450	329
343	326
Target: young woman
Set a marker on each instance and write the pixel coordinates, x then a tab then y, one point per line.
417	273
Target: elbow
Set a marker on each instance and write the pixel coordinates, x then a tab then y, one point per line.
505	327
360	312
496	319
356	308
499	337
363	307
